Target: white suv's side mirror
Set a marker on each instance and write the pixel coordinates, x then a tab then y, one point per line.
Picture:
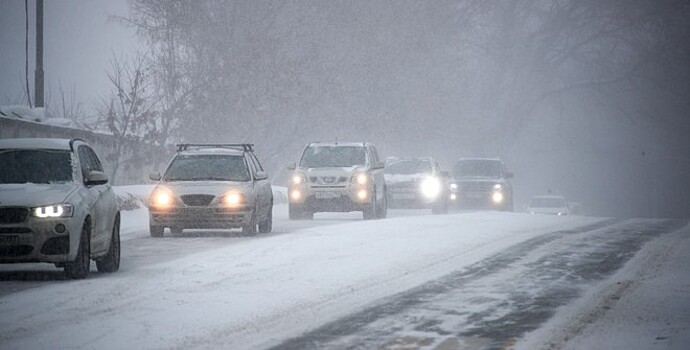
96	178
261	175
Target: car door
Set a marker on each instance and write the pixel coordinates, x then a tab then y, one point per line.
100	201
263	185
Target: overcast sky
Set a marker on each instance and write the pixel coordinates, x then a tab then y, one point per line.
80	37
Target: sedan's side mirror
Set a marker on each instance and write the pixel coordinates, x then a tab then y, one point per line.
261	175
291	166
155	176
96	178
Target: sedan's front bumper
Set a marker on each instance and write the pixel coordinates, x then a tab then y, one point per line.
200	217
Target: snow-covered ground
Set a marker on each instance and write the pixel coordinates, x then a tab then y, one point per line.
255	292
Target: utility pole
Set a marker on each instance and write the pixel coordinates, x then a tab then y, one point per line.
38	77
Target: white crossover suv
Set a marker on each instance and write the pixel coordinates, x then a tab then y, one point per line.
337	177
56	206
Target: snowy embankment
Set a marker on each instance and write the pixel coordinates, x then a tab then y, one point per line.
257	291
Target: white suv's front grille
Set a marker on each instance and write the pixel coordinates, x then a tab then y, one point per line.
328	180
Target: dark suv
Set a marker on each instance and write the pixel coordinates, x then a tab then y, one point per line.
482	183
212	186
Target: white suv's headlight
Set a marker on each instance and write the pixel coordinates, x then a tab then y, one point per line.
430	187
53	211
298	178
361	178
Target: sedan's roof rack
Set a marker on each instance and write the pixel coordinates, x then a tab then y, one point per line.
247	147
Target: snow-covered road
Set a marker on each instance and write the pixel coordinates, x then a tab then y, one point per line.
216	289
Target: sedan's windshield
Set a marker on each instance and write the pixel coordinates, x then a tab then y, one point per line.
477	168
207	167
333	156
35	166
408	167
547	203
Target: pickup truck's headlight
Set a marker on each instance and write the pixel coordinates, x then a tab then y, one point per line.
53	211
430	187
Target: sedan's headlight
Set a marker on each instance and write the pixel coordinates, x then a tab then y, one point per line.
430	187
161	198
53	211
233	199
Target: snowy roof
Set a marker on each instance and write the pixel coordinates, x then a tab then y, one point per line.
36	143
337	143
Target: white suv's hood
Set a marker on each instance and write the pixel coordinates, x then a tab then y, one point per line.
333	171
34	195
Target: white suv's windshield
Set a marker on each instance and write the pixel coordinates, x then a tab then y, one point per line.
407	167
333	157
207	167
35	166
477	168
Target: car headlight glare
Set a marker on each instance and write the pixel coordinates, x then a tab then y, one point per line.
233	199
161	197
362	195
361	178
454	187
430	187
53	211
298	178
497	197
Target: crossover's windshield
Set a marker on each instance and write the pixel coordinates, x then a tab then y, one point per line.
35	166
477	168
407	167
333	156
207	167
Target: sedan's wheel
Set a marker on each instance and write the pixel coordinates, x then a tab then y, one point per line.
79	268
265	226
250	228
111	261
156	231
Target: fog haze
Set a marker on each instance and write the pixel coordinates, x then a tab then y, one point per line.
588	99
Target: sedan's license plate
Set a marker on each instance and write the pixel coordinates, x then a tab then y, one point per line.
327	195
9	240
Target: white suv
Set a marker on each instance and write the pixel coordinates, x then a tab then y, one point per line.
56	206
337	177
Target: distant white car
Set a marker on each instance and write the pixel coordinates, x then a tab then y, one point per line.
56	206
554	205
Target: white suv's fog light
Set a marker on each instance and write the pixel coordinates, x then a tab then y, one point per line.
60	228
295	195
362	195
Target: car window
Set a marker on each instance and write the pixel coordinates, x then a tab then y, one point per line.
333	156
35	166
407	167
256	162
207	167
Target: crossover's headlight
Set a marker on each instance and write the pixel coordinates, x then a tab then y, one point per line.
161	198
430	187
298	178
53	211
233	199
361	179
